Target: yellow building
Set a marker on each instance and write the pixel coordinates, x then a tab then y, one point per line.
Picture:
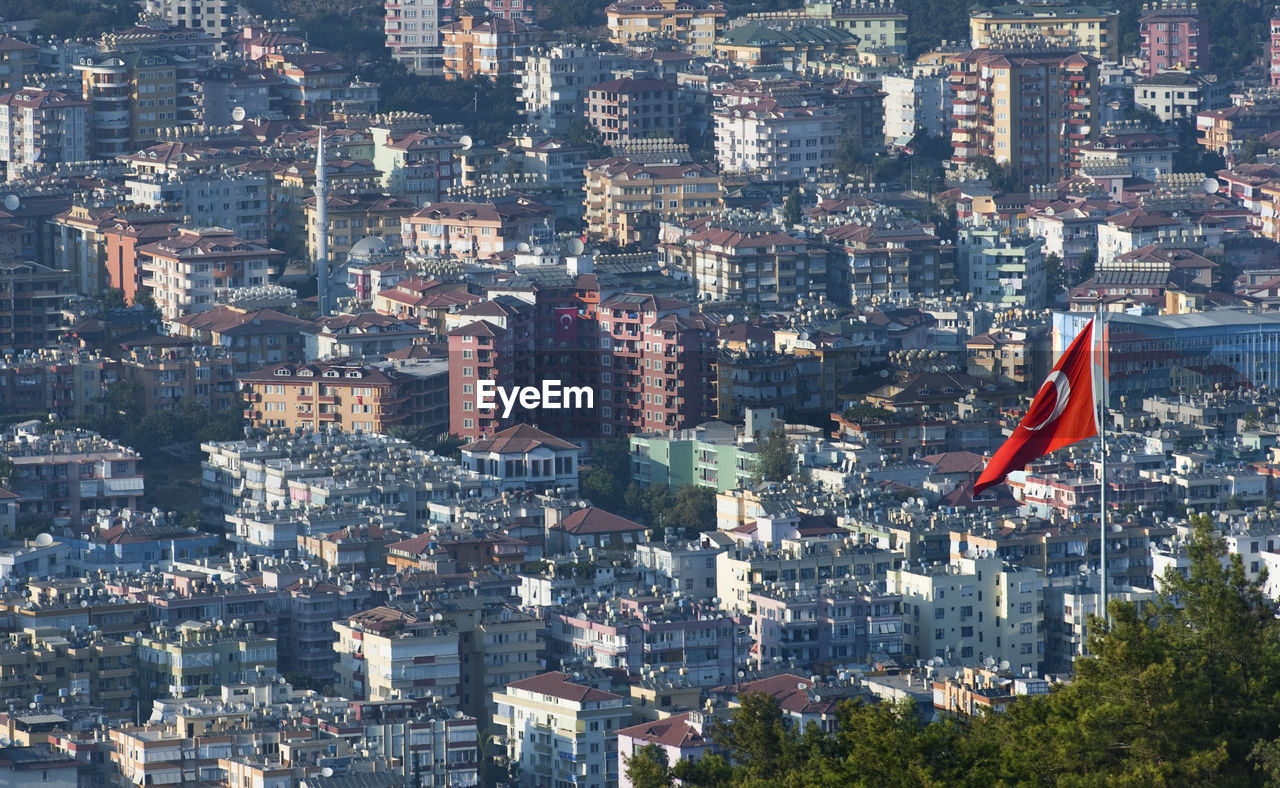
354	216
17	60
196	657
626	201
1094	30
695	24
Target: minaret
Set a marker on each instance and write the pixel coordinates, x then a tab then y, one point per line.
322	229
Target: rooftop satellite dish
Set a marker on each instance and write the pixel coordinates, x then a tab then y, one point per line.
44	540
11	202
523	246
466	141
576	246
538	250
1210	185
238	114
326	771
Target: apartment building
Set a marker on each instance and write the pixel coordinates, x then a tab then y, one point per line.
207	196
474	230
630	108
1012	356
562	733
79	669
134	97
354	216
418	165
39	128
31	300
693	24
879	24
626	200
554	81
64	474
1094	30
196	657
215	17
916	103
488	47
170	377
744	570
389	654
318	84
184	274
348	395
836	622
654	632
1002	269
1173	34
412	30
891	257
17	59
726	263
251	338
776	141
435	745
1179	94
972	608
1033	108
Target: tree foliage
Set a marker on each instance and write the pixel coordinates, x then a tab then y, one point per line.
1184	691
647	768
774	458
605	479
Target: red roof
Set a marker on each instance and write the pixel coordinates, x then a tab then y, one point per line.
556	685
674	731
596	521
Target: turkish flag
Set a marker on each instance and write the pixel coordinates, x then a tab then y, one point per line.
1061	414
566	323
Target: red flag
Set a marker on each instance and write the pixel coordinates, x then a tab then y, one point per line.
566	323
1061	414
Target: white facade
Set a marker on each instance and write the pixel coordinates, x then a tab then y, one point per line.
209	198
917	103
775	141
563	735
416	659
412	29
1002	269
553	82
41	127
971	609
215	17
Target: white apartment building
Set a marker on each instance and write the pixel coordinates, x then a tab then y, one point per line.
916	103
41	127
553	81
215	17
388	654
797	564
562	734
186	273
1002	269
776	141
418	165
210	197
412	29
971	609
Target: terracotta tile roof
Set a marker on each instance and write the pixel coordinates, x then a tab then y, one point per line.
596	521
521	438
556	685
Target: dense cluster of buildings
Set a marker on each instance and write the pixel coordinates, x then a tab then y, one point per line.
341	445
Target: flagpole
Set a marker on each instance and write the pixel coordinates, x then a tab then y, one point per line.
1101	373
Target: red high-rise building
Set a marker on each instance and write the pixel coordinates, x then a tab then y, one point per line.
1174	35
647	360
